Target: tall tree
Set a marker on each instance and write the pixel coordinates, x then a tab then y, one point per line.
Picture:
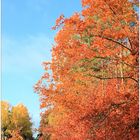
92	92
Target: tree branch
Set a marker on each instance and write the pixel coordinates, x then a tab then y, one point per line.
101	116
117	77
108	58
115	41
130	65
117	19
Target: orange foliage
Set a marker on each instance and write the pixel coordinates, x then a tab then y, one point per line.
15	135
92	92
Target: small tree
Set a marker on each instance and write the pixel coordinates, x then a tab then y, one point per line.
16	121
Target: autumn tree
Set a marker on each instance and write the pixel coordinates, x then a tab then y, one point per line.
20	120
5	119
92	90
16	122
45	121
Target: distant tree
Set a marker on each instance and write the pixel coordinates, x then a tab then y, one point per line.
45	121
16	122
6	118
20	120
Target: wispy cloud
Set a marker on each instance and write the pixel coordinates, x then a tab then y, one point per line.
25	55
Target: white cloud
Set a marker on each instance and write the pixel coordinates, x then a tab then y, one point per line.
25	55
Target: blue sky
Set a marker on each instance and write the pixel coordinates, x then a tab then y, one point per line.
26	42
